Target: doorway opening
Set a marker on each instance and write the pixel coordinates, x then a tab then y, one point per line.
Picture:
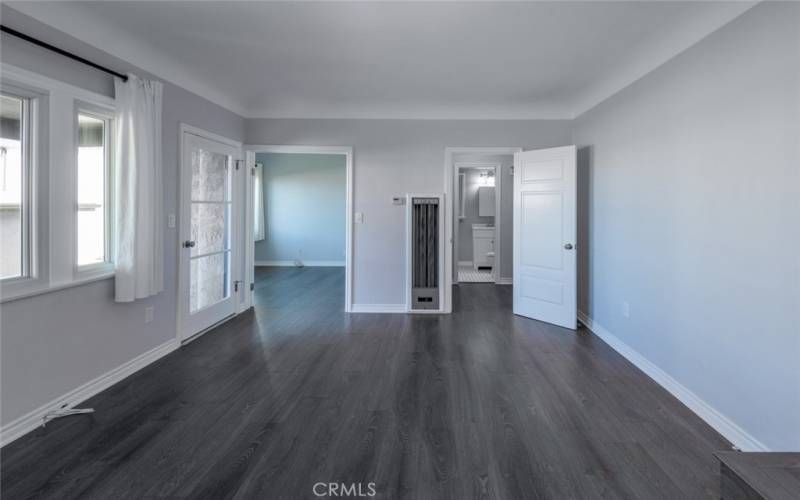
540	211
476	225
299	224
478	185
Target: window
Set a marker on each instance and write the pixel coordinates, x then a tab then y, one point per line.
55	178
93	189
259	229
14	185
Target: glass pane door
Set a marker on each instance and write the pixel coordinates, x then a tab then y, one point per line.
210	257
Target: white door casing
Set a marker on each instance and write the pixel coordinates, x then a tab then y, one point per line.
545	254
209	280
247	238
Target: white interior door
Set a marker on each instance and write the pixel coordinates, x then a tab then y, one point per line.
545	260
208	246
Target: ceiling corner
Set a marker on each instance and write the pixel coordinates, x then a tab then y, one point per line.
659	53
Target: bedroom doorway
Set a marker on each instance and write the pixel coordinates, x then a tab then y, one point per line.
299	222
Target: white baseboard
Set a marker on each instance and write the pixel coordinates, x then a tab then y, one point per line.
505	281
722	424
306	263
378	308
26	423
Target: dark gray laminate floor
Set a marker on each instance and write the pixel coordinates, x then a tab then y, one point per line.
478	404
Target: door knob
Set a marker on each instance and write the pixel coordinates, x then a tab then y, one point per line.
568	246
188	244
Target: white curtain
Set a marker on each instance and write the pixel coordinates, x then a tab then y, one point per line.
138	214
258	204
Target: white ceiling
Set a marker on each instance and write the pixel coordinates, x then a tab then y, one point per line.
497	60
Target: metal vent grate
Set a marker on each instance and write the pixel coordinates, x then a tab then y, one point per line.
425	253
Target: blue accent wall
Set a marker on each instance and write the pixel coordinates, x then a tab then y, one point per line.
304	204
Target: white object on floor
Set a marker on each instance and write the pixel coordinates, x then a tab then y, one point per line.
64	412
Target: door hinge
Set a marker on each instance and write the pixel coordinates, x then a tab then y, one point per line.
236	286
237	162
252	286
253	171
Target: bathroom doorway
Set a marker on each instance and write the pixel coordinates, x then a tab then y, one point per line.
477	208
497	163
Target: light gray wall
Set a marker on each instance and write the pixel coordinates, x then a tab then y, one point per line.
55	342
506	163
693	177
392	158
305	197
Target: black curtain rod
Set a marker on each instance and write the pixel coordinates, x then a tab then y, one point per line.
13	32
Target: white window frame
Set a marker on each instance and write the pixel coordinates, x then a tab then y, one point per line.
105	114
27	125
52	248
34	225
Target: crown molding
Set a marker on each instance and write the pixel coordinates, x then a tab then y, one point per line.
80	23
323	112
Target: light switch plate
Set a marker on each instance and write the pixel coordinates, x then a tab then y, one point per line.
171	221
149	313
359	217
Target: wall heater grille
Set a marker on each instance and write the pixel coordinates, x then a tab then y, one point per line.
425	253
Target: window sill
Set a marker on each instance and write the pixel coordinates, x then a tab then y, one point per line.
89	271
48	288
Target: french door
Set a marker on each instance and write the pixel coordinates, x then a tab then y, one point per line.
545	274
209	246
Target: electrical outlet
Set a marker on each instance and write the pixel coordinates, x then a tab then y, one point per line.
149	312
626	309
